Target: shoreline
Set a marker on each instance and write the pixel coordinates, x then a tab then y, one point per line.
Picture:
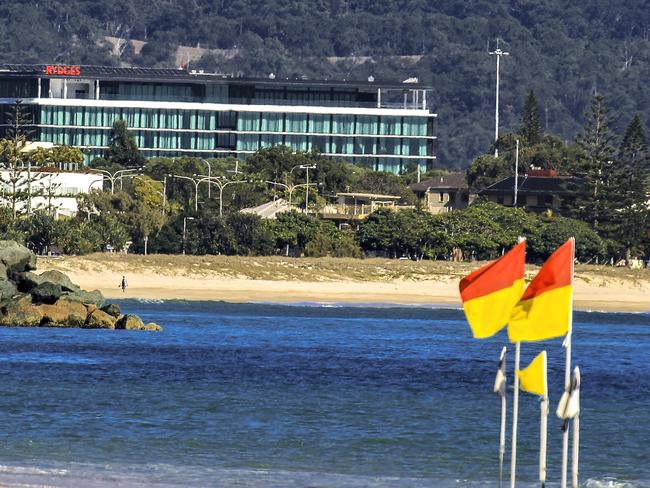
286	281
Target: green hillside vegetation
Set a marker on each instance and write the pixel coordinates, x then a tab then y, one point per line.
563	51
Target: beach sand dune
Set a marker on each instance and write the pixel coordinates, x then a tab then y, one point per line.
327	280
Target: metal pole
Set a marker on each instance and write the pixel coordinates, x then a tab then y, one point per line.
29	187
516	174
164	194
112	178
567	377
196	196
502	436
496	112
307	195
221	187
543	430
209	176
184	229
498	53
515	414
576	435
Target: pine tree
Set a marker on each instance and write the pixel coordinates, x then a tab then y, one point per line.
628	189
531	127
123	149
593	169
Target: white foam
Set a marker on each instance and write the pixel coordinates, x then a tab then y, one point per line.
609	483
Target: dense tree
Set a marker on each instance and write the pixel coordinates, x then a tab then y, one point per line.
628	195
122	149
486	170
531	127
594	168
562	52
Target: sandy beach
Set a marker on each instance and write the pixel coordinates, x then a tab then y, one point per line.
274	279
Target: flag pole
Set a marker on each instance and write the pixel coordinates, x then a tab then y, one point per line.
515	413
502	436
576	435
567	371
543	429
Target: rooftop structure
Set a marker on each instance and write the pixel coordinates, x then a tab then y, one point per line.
177	112
443	193
538	190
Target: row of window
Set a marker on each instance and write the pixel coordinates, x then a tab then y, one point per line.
137	118
243	142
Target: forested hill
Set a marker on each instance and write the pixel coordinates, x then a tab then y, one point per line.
561	49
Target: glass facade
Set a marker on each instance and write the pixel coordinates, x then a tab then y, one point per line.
245	116
382	142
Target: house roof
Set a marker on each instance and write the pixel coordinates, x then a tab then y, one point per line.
455	181
533	185
370	196
269	210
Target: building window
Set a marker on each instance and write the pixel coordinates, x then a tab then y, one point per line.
319	123
272	122
248	121
415	126
366	124
390	126
296	123
343	124
441	197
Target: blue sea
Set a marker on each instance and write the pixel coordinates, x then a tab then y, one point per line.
264	395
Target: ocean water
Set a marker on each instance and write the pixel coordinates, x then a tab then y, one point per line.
262	395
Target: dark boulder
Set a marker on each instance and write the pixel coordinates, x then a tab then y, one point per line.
7	289
94	297
46	292
20	312
16	257
112	309
100	320
63	313
130	322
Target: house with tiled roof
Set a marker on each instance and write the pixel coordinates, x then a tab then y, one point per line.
443	193
537	190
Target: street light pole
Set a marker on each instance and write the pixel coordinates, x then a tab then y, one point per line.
307	168
196	189
115	175
209	174
217	180
498	53
185	219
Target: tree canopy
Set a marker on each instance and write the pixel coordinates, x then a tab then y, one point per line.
563	51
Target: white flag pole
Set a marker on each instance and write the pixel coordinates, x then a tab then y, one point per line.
502	436
543	430
567	371
515	413
576	431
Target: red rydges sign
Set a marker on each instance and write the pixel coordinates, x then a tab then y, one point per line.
62	70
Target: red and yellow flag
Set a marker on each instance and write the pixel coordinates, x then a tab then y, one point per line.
544	311
490	292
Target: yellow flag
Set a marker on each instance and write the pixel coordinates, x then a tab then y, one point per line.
533	378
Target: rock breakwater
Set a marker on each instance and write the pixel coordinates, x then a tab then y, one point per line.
51	299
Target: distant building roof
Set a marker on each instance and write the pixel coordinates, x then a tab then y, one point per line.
451	181
269	210
369	196
533	184
184	75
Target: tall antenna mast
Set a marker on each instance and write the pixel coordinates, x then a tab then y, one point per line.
498	53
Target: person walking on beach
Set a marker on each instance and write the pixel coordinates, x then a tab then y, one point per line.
123	284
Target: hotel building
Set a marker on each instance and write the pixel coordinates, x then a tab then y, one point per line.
191	113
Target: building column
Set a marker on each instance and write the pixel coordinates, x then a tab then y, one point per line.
39	89
96	89
65	88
